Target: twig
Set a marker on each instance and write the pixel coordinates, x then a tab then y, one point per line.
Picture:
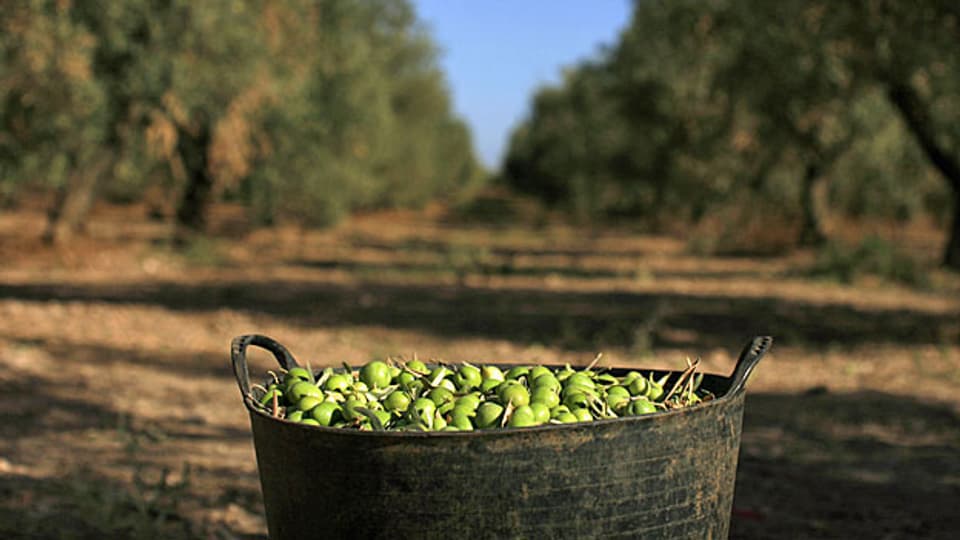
691	368
594	363
409	369
507	413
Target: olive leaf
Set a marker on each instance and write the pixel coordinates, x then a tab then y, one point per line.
383	392
310	370
334	395
322	379
374	419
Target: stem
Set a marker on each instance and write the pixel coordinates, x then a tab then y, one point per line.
507	413
594	363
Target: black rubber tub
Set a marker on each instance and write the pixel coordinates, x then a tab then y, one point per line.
666	475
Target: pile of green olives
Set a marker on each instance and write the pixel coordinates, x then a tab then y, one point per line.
399	395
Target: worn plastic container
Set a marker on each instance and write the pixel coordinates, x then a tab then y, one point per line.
666	475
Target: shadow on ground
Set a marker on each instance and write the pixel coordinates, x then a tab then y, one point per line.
83	505
556	318
480	265
861	465
56	449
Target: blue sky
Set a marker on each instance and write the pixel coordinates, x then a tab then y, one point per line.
496	53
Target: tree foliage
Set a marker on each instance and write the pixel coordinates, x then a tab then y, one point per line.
305	110
701	106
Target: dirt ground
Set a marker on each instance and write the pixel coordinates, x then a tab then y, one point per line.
120	417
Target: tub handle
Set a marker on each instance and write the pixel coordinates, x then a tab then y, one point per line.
749	357
238	357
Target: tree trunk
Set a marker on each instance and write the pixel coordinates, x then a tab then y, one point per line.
811	232
952	256
73	202
918	121
193	149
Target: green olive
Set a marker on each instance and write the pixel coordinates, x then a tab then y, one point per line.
546	396
558	410
637	386
461	421
406	378
308	402
375	374
467	378
301	389
492	372
461	410
581	379
617	397
488	414
571	389
442	398
577	400
471	401
325	413
547	380
418	366
565	373
514	393
350	411
425	409
541	413
523	416
537	371
383	416
397	401
490	384
641	406
267	399
583	415
654	390
447	384
338	382
466	397
297	374
416	386
517	371
607	379
438	374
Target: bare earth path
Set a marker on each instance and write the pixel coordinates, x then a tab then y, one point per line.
113	362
